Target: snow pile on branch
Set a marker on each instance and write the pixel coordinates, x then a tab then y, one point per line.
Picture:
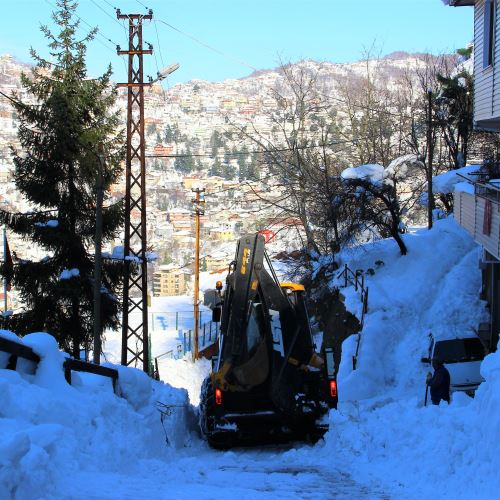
50	429
67	274
118	253
371	171
50	223
382	428
400	168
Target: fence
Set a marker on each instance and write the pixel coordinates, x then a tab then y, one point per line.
208	334
17	350
177	320
356	279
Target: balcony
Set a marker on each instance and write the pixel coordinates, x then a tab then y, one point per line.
479	215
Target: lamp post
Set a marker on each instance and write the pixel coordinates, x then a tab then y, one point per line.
98	257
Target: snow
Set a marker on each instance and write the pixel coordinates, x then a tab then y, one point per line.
50	223
432	296
464	187
84	441
445	183
382	429
402	165
50	430
399	168
371	171
118	253
67	274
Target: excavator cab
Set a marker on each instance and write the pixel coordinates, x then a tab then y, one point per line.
267	380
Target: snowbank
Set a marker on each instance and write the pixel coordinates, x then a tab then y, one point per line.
382	428
49	429
435	288
424	452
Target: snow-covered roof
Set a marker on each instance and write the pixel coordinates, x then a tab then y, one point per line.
445	182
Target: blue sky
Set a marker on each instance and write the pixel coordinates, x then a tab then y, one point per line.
248	33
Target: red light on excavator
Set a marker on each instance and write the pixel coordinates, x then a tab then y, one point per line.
218	396
333	388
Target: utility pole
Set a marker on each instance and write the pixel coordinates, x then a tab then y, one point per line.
5	285
98	259
198	210
430	153
135	340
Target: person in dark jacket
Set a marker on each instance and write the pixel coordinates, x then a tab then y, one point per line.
439	383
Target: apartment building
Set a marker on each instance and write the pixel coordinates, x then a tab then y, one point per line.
169	281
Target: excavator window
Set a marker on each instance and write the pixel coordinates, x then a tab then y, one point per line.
255	330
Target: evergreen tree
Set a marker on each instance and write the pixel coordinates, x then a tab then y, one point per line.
216	168
242	163
185	163
198	166
57	172
253	168
169	135
454	114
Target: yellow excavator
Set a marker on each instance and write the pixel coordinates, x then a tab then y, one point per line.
267	380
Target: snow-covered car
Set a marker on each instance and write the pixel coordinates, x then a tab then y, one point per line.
462	357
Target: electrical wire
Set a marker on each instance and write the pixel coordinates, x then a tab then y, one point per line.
203	44
109	15
111	5
92	28
145	6
159	46
245	153
368	108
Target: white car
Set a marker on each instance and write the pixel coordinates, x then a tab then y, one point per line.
462	357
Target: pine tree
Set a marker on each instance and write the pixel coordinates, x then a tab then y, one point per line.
56	170
185	164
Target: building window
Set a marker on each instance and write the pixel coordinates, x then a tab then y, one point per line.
489	33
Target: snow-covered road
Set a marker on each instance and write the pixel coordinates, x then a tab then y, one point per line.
198	472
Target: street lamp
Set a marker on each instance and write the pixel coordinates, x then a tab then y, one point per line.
167	70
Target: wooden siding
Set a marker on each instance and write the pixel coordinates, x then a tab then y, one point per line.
483	77
469	213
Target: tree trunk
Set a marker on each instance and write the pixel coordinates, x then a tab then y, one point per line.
401	244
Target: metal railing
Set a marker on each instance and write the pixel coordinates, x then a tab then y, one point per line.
17	351
207	336
356	279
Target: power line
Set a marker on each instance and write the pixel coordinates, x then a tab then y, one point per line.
109	15
112	6
368	108
203	44
98	32
92	28
145	6
244	153
159	47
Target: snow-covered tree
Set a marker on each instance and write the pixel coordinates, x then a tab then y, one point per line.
57	169
381	196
